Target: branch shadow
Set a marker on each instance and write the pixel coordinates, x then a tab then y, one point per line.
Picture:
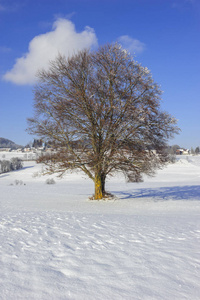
175	193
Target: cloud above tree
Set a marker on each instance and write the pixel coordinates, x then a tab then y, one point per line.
63	39
132	45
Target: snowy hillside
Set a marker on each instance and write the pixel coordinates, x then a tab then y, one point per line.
56	244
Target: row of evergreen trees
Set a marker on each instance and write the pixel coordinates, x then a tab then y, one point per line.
195	151
10	165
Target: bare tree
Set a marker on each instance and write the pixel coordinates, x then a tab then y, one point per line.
101	111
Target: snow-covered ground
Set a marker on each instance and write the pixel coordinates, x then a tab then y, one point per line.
56	244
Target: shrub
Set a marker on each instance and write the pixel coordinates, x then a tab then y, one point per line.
18	182
10	165
50	181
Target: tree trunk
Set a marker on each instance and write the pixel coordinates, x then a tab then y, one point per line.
103	179
98	187
100	179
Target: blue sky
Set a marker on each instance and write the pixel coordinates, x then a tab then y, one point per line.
163	35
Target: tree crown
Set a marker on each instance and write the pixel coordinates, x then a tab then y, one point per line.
102	110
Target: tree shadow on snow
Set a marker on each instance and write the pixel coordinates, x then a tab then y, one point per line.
4	175
165	193
24	168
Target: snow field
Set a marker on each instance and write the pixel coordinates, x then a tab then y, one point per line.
76	256
55	244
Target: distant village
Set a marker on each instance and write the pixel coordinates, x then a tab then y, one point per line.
45	149
30	152
38	146
183	152
25	149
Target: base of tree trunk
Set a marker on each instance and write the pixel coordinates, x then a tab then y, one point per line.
106	196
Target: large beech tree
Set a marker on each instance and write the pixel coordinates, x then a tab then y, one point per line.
101	111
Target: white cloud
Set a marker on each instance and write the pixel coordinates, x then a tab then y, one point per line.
130	44
62	39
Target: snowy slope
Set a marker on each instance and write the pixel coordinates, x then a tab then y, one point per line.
56	244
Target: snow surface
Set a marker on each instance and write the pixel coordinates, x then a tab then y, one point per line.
57	244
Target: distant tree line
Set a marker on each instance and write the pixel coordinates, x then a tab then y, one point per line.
10	165
172	149
37	143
